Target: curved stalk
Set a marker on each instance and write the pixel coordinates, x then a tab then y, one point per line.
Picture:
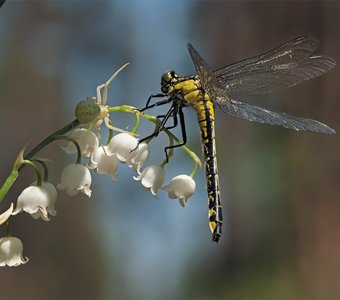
52	137
15	171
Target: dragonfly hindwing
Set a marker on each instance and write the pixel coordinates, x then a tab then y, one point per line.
258	114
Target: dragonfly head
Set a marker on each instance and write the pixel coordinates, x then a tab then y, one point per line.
168	80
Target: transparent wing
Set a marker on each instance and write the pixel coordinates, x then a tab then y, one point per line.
208	81
282	67
247	111
250	112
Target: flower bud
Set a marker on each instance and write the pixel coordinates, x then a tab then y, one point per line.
87	111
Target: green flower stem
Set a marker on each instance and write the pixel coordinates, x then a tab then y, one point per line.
192	174
135	128
36	170
50	139
109	136
15	172
8	183
14	175
43	164
8	230
66	138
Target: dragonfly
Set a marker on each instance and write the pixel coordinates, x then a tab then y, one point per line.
282	67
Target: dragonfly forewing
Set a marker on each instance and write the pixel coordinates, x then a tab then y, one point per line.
282	67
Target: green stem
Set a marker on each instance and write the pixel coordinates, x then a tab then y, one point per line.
8	230
192	174
66	138
36	170
15	172
8	183
51	138
44	166
135	128
109	136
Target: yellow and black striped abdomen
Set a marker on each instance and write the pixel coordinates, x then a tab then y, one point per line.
206	118
193	96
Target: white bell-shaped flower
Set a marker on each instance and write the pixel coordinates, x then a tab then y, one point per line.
11	252
75	178
124	146
141	157
151	178
104	162
181	187
86	140
38	201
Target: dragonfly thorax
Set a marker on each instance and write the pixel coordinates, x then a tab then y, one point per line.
179	86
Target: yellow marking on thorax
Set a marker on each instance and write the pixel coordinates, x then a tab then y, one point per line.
186	86
191	93
194	96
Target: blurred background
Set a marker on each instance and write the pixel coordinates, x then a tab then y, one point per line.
280	188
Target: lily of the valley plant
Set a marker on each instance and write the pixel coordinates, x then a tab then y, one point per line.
84	140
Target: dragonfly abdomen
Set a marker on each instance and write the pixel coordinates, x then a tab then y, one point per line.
205	113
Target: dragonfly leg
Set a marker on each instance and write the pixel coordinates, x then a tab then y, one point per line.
162	125
184	134
174	118
147	106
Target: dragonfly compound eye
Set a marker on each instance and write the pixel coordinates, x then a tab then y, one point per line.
169	78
